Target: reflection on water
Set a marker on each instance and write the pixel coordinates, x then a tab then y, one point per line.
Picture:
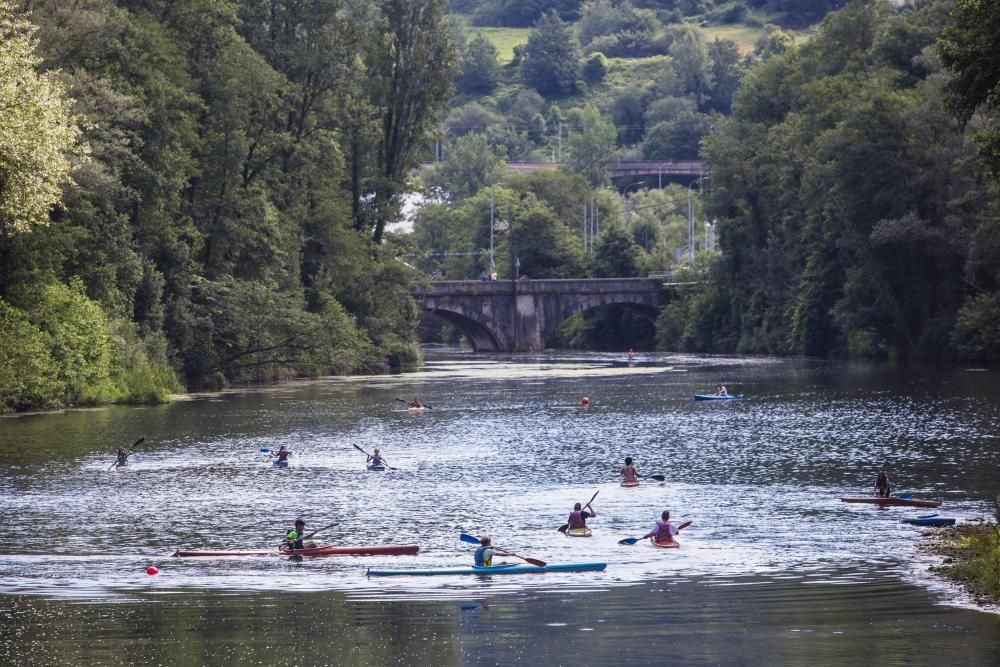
773	563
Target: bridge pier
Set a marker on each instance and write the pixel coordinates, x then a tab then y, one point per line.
520	316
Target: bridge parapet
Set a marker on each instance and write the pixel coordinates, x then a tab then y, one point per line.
506	315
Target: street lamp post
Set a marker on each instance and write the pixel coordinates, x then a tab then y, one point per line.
691	215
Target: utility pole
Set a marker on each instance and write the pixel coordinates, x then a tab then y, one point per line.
560	142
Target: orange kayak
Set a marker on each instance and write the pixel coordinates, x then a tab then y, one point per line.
629	483
665	544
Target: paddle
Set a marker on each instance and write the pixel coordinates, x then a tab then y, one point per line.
422	405
383	460
633	540
475	540
927	516
658	478
265	450
128	451
563	528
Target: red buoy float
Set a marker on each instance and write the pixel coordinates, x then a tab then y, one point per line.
151	570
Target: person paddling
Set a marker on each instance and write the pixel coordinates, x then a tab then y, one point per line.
720	390
281	456
295	538
882	486
375	459
415	404
578	517
121	458
663	531
485	553
629	473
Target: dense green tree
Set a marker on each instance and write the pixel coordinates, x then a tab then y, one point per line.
551	57
616	255
410	62
469	165
590	144
38	135
479	67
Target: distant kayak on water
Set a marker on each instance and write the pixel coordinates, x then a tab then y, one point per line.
891	501
280	464
713	397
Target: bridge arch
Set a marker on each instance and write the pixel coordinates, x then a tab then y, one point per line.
522	315
477	333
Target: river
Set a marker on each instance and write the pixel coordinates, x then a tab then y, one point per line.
774	569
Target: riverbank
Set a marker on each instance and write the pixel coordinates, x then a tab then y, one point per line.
971	555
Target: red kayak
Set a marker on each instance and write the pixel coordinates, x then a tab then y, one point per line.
629	483
385	550
665	544
892	502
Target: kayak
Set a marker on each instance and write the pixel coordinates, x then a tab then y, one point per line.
629	483
280	464
376	468
490	571
664	544
578	532
934	521
892	502
384	550
712	397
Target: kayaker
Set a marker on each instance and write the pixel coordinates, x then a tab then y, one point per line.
122	457
629	473
578	517
375	458
720	390
663	530
485	553
295	538
882	486
282	455
631	354
414	404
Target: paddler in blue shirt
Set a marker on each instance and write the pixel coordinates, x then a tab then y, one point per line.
375	458
485	553
122	457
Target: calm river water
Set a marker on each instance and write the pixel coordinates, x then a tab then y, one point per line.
773	570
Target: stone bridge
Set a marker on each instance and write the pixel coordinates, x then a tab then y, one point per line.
521	315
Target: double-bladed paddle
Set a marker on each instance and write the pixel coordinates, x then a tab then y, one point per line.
369	455
658	478
128	451
633	540
563	528
422	405
475	540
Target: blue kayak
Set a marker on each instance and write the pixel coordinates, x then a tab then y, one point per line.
935	521
713	397
376	468
490	571
280	464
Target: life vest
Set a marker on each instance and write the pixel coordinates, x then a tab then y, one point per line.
481	560
577	520
663	531
283	456
296	539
